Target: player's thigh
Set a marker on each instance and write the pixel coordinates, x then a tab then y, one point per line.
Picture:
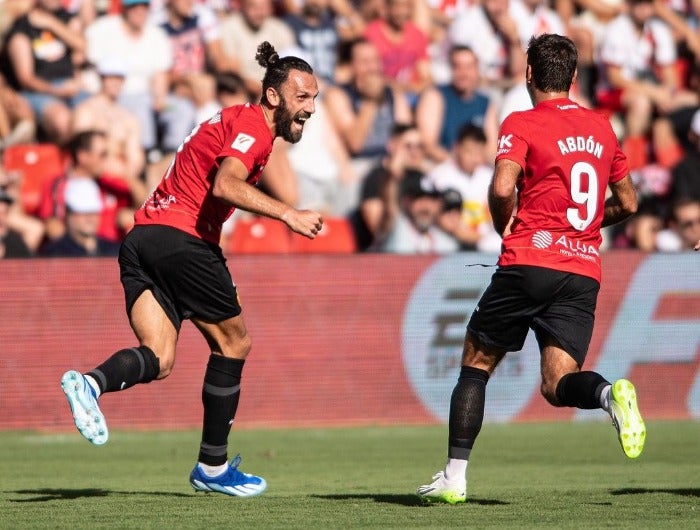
227	337
568	320
501	320
153	328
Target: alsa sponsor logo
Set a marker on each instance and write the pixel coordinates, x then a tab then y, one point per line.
504	143
543	239
243	142
574	247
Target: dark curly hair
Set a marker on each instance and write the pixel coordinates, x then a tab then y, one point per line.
277	68
552	59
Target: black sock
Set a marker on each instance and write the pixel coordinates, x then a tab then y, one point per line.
126	368
220	394
466	411
581	390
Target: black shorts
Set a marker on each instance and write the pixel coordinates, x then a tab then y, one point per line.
560	304
188	276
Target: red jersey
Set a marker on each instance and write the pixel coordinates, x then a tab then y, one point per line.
569	155
183	198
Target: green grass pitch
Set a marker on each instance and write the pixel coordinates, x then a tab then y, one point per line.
552	475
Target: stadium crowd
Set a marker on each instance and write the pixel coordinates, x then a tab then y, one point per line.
97	95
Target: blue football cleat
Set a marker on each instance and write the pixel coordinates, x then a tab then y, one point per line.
230	482
83	404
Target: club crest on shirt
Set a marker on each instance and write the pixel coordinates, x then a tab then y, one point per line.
243	142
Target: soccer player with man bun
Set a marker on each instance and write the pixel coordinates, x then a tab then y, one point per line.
172	268
555	163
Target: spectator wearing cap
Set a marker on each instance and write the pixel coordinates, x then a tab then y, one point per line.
405	155
103	112
410	224
37	59
12	244
165	119
83	209
467	173
88	152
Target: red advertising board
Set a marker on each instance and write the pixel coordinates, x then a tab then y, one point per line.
340	340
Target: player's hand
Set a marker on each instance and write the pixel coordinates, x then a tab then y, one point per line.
305	222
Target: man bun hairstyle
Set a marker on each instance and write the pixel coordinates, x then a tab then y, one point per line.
277	68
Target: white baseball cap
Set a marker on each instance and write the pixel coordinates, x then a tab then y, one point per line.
82	195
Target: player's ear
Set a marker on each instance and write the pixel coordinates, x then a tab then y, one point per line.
528	74
575	77
273	97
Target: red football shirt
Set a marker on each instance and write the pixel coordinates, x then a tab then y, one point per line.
183	198
569	155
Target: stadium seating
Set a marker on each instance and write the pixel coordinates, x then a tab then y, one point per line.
36	164
336	237
259	235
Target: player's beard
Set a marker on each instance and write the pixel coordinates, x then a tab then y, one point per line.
284	121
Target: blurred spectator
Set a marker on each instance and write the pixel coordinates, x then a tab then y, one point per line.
585	22
536	17
17	125
402	47
37	59
243	30
103	112
30	228
147	53
685	181
83	211
490	30
365	110
317	32
641	230
118	196
637	75
683	230
467	173
195	36
11	243
444	109
412	208
405	154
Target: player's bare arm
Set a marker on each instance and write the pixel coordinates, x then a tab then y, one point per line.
231	187
622	204
502	193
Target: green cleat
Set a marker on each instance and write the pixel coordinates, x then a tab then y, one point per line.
443	491
626	418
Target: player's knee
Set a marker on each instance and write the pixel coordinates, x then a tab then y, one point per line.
549	392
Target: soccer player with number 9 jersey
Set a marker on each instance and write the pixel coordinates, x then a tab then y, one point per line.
554	166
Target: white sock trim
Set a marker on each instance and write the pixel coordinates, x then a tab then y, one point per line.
93	384
455	469
213	471
605	399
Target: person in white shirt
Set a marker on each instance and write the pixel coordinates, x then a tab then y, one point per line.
467	172
242	31
489	28
637	75
148	57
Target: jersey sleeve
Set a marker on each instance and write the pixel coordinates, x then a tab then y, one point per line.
512	143
619	168
246	142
